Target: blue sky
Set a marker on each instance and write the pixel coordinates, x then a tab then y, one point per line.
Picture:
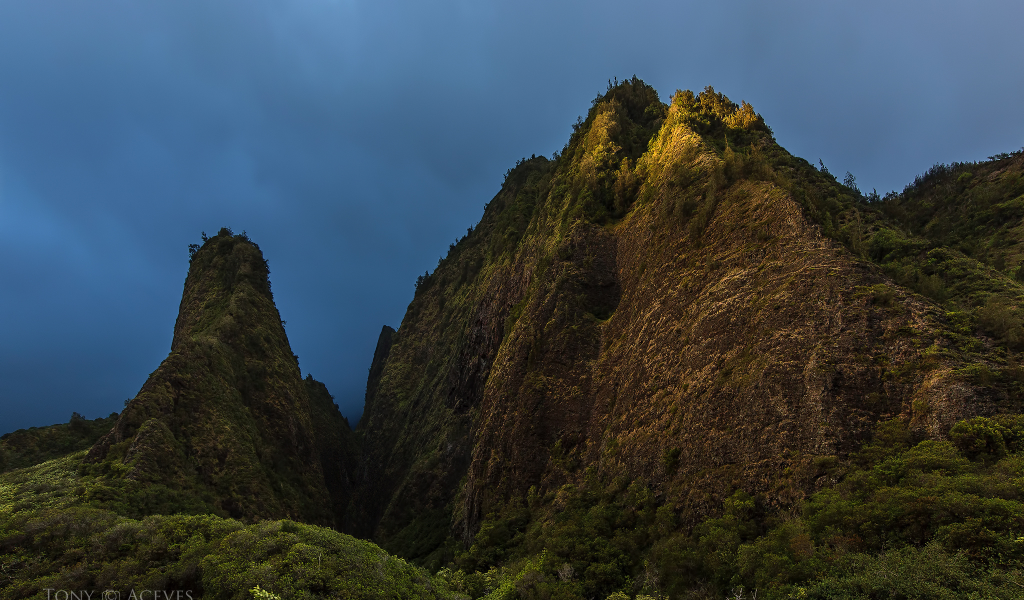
355	140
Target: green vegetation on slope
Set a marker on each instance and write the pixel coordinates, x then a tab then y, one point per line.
954	235
226	420
224	427
211	557
27	447
906	520
64	529
672	317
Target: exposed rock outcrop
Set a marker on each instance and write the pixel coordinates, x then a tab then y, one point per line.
674	299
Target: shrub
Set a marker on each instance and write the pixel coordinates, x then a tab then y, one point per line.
979	437
999	318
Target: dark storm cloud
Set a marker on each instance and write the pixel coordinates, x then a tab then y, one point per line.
355	140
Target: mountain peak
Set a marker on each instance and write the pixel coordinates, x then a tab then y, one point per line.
227	414
227	277
675	300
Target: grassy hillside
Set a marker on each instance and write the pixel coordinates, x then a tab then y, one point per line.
27	447
53	535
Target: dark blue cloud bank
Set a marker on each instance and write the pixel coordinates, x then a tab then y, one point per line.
355	140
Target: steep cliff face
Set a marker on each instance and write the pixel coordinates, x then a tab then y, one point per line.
227	416
675	300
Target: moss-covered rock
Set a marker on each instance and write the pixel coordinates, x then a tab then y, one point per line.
227	414
672	284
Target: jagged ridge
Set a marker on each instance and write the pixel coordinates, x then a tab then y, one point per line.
674	300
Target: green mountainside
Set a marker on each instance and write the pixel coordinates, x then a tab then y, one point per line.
673	313
27	447
215	480
83	548
227	421
671	361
